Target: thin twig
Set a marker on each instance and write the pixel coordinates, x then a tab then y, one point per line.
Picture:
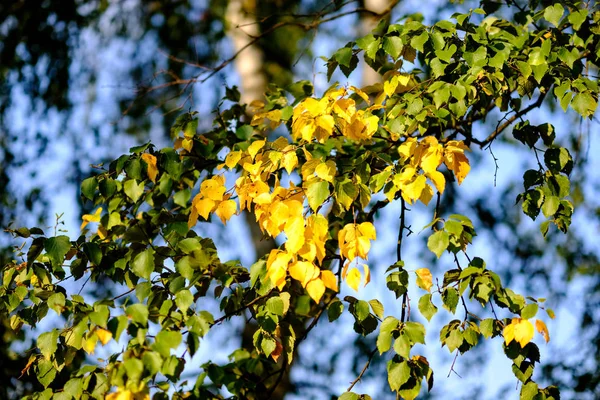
359	377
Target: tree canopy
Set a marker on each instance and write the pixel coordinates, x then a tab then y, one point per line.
316	171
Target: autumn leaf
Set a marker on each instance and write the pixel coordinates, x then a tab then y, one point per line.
289	160
329	280
543	329
87	218
424	279
152	169
455	159
354	240
519	330
104	335
315	289
225	210
303	271
353	278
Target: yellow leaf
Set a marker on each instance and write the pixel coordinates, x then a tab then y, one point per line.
329	280
344	108
277	266
407	149
438	180
367	230
326	171
543	329
509	333
89	344
204	207
519	330
424	279
455	159
354	240
389	86
225	210
152	169
212	189
367	274
193	218
255	147
353	278
289	160
315	289
412	191
120	394
303	271
187	144
104	335
426	195
432	156
345	270
232	159
87	218
294	230
361	93
403	79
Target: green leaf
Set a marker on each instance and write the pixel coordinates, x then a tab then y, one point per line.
454	340
529	391
349	396
165	341
45	372
74	388
334	310
415	332
57	302
47	342
450	299
88	187
345	191
486	327
343	56
392	45
577	18
529	311
426	307
438	242
384	339
584	103
183	300
275	306
57	248
377	307
362	310
370	45
554	13
402	346
317	192
134	368
100	315
550	206
418	42
268	345
152	362
143	263
138	313
133	189
398	374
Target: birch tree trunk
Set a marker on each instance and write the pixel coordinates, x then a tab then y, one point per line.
368	22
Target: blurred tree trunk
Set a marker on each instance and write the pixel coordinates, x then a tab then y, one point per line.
368	22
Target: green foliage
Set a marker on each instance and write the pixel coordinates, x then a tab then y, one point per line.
345	149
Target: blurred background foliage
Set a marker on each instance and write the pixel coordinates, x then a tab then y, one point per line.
81	81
